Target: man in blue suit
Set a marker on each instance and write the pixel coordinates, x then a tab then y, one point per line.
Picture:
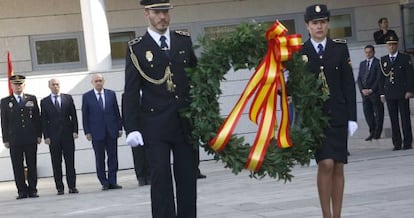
102	125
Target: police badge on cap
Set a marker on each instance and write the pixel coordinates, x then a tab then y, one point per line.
17	79
316	12
391	40
156	4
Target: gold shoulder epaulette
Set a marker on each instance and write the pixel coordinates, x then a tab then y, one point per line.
135	41
184	33
343	41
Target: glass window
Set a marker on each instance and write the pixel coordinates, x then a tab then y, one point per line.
119	43
408	27
57	51
340	26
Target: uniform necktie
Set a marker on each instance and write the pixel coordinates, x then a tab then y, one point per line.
57	106
320	50
392	59
368	65
164	45
100	101
20	100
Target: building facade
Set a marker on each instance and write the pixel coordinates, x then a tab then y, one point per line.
59	38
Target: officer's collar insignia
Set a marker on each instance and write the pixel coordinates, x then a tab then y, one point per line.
317	9
10	104
149	56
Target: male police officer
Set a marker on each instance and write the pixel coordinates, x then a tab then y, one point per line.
21	128
329	60
156	88
396	88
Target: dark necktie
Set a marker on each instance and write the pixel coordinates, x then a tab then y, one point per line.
21	103
392	59
365	75
100	101
57	106
164	46
320	50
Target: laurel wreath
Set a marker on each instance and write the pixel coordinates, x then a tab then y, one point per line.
241	49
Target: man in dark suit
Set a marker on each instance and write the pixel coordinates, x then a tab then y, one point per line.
156	88
22	132
60	128
396	88
329	61
368	77
102	125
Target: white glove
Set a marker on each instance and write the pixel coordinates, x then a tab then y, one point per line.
352	127
286	74
134	139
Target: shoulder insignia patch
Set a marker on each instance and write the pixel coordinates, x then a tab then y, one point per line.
183	33
342	41
135	41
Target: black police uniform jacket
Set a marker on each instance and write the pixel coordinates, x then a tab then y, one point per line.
341	105
150	108
403	76
21	125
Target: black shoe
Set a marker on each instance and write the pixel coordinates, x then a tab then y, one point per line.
33	195
73	191
115	186
201	176
21	196
60	192
105	187
369	138
377	137
407	147
396	148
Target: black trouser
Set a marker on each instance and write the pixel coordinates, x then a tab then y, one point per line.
17	155
374	114
403	107
162	194
141	163
65	147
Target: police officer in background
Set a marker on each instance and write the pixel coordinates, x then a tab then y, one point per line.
156	88
22	132
396	88
329	61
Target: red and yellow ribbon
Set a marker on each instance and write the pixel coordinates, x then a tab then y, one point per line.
264	85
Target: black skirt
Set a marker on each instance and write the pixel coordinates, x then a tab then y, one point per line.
335	145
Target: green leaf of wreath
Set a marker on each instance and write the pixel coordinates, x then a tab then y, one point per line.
241	49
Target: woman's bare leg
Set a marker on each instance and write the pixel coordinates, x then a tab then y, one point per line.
325	181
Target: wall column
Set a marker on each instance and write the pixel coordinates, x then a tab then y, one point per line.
96	35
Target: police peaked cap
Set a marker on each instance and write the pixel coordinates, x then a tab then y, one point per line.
17	79
156	4
316	12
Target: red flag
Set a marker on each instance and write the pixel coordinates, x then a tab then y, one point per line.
9	71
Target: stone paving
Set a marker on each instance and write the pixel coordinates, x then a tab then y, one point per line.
379	184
